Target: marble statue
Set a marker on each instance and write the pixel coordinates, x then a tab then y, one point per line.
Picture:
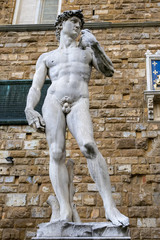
67	104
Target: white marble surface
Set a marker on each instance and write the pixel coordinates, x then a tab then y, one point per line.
67	104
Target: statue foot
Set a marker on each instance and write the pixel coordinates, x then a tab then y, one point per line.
116	217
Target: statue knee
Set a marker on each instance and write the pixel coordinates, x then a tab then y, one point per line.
56	153
89	150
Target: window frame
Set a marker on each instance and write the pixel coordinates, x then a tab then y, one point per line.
11	109
37	14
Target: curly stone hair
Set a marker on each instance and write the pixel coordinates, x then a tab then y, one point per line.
64	17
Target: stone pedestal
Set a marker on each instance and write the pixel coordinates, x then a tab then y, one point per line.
61	230
82	238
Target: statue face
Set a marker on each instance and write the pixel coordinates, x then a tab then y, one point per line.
72	27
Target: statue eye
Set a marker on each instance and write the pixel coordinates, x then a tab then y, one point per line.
74	20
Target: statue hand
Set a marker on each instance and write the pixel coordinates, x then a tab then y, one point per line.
87	39
35	119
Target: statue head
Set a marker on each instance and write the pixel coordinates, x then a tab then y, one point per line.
64	17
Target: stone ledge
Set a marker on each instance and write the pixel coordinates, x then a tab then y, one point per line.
89	25
81	231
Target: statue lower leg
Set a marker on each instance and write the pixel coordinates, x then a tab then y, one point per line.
60	181
99	172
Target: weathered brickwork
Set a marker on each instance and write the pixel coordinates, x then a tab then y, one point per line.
129	143
96	10
6	11
116	11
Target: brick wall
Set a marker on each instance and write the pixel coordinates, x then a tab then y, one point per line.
96	10
116	11
6	11
128	142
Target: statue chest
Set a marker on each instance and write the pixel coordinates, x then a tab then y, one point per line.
68	57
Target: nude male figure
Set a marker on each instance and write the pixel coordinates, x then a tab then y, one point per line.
67	104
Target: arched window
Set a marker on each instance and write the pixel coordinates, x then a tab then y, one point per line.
36	11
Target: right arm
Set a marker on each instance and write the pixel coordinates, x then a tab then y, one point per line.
32	116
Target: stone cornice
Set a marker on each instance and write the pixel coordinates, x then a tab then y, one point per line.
89	25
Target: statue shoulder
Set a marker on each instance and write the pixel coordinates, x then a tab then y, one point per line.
43	58
89	52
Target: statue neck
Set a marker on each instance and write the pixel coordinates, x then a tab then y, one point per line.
67	42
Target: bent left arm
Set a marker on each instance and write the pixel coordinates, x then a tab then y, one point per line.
100	60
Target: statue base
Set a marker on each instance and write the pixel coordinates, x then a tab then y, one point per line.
82	238
61	230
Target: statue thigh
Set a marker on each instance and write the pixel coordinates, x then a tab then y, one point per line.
55	127
80	125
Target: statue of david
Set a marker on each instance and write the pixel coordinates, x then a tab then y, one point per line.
67	105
